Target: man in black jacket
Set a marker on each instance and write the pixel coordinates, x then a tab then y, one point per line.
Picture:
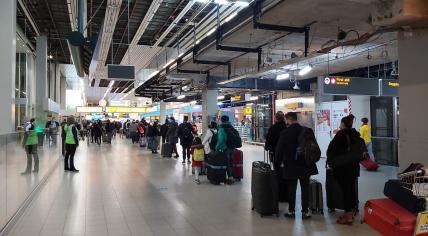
272	138
293	169
184	132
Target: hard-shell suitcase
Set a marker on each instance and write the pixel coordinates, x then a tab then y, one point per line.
316	199
388	218
143	142
404	197
166	150
264	189
369	164
216	167
237	165
334	193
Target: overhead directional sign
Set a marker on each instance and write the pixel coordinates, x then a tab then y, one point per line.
351	86
389	87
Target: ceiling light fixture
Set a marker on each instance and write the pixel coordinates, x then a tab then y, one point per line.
197	41
221	2
193	102
305	70
221	97
111	84
181	96
253	98
242	3
219	103
231	17
211	31
282	76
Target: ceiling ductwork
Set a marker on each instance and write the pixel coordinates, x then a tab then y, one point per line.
76	41
400	12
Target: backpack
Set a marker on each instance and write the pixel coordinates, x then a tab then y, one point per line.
233	138
308	152
198	154
187	131
214	140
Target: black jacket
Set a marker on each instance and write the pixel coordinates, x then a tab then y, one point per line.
339	146
273	134
285	154
164	130
185	141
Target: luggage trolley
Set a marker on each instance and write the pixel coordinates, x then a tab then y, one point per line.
415	181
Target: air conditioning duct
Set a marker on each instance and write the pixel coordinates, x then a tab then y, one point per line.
400	13
76	41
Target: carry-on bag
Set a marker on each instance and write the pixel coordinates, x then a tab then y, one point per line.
316	200
143	142
166	150
334	193
237	165
404	197
264	188
369	164
388	218
216	167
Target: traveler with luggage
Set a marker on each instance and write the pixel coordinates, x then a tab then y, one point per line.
295	168
344	154
272	138
366	134
71	143
198	156
172	135
164	131
185	134
228	141
133	132
210	138
152	134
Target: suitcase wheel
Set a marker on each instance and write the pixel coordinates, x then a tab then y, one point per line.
252	208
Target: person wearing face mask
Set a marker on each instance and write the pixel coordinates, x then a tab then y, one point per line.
344	154
172	135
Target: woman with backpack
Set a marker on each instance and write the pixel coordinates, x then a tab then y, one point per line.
208	142
343	155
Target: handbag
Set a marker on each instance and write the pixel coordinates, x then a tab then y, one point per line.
353	155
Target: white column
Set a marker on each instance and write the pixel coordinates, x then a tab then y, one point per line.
7	65
209	107
360	108
412	51
41	78
162	110
62	93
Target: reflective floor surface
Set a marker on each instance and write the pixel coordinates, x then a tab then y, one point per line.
123	189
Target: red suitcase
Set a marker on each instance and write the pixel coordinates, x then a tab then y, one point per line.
369	164
237	167
388	218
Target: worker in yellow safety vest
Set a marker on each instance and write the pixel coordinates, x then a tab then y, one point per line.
31	142
71	143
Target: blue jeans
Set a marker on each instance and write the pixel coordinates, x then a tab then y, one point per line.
370	150
229	154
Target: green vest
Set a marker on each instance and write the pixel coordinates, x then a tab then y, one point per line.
69	137
32	138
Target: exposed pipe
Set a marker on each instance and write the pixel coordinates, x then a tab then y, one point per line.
29	17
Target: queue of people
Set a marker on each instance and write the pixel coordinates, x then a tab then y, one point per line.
345	152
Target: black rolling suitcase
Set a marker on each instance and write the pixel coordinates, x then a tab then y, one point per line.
334	193
316	199
216	164
166	150
264	189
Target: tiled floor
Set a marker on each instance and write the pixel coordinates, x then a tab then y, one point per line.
123	190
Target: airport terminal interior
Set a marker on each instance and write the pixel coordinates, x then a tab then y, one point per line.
213	117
